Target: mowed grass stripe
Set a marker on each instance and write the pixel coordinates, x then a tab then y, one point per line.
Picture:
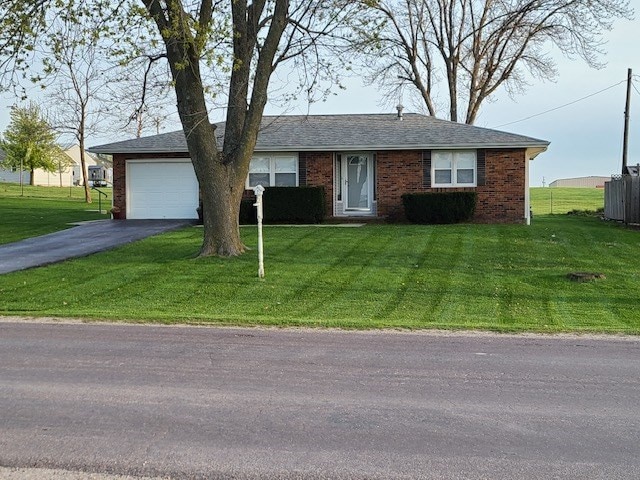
407	272
468	276
328	270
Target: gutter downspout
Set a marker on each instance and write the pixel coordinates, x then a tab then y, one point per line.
527	190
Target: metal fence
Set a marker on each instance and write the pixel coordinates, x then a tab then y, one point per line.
622	199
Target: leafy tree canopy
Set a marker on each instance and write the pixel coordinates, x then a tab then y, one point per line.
221	49
29	141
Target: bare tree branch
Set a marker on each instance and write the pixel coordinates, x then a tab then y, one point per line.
482	45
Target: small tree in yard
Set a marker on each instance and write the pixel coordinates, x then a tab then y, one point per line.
62	161
237	43
29	141
74	77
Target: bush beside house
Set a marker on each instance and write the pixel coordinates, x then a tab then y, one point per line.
304	205
447	207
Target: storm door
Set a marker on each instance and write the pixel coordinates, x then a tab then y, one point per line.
358	186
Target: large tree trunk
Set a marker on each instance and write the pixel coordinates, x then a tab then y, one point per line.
221	188
221	185
221	175
221	181
224	190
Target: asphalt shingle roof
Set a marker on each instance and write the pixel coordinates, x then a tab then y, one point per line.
345	132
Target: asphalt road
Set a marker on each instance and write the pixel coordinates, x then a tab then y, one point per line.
185	402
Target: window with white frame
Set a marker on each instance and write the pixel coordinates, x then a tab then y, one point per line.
273	171
453	168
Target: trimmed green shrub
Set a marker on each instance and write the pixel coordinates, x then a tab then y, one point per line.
248	212
447	207
287	205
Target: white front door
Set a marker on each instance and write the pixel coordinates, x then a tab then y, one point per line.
357	175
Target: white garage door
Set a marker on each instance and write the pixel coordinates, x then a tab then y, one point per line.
161	189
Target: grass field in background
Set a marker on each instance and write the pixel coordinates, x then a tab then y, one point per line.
31	211
562	200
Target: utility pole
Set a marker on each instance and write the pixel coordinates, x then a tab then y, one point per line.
625	141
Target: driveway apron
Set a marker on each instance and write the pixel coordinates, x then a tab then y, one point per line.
82	240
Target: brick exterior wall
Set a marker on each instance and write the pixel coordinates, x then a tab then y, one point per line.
500	199
398	172
502	191
119	187
319	172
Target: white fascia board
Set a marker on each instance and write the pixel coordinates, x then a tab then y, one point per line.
533	152
367	148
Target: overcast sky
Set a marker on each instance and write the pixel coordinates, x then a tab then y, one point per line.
586	137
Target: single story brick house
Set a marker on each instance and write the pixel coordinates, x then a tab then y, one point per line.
365	163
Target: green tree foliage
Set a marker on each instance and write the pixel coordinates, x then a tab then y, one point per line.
29	142
214	48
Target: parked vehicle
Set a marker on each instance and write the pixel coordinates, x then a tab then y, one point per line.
97	176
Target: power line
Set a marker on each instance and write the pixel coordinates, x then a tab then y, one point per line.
562	106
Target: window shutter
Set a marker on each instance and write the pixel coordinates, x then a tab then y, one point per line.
375	176
482	177
426	169
302	170
338	176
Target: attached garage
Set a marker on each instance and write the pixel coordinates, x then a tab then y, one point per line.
162	188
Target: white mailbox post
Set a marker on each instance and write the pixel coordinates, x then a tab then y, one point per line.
259	190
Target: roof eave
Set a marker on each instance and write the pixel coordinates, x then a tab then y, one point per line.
533	152
539	147
130	151
536	148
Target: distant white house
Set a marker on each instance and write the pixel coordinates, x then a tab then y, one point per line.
12	176
581	182
65	177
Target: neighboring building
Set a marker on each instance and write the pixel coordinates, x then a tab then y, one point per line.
68	175
364	162
11	176
581	182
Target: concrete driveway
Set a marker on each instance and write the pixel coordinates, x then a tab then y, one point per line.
79	241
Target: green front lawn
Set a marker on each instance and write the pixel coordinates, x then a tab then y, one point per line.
496	277
36	211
